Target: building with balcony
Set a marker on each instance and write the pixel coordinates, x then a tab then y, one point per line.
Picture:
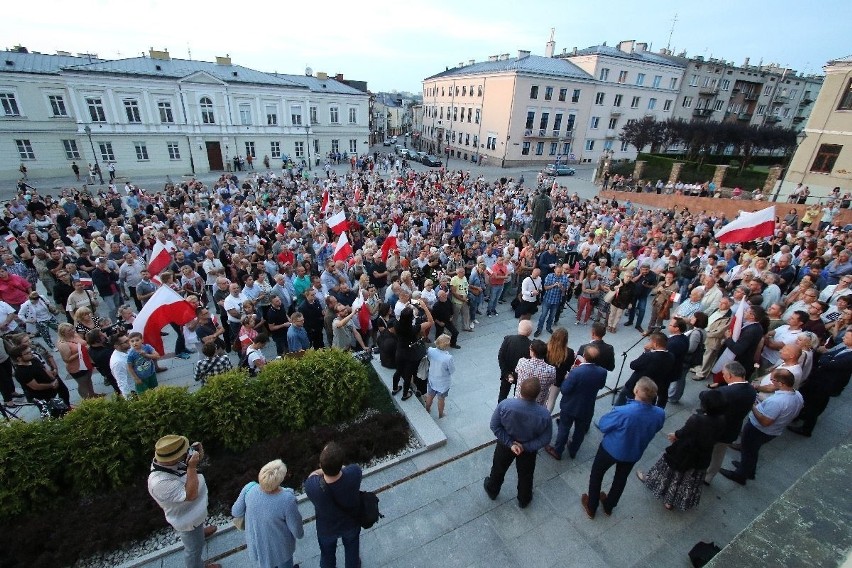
823	159
157	114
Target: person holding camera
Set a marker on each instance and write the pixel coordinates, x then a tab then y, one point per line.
177	487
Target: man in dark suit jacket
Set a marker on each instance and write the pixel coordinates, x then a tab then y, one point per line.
678	346
655	363
579	393
514	348
828	378
745	347
606	354
739	398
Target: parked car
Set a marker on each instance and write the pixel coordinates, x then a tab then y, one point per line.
559	170
387	143
398	149
420	157
432	161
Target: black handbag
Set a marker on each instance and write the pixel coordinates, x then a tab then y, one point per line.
367	514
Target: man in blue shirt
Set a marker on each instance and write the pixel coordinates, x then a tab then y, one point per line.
627	432
554	285
522	428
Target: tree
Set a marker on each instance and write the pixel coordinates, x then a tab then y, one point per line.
641	133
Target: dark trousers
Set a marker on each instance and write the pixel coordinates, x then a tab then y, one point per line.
7	387
505	387
315	335
663	393
816	401
524	464
406	368
135	297
232	330
280	343
581	427
449	328
351	546
638	310
751	441
604	461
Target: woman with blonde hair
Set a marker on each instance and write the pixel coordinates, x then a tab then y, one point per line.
441	369
271	516
85	321
561	357
75	354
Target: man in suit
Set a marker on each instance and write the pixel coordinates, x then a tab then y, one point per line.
606	353
717	324
579	393
745	347
512	350
828	378
655	363
678	346
739	398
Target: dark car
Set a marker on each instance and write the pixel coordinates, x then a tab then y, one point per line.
431	161
420	156
559	170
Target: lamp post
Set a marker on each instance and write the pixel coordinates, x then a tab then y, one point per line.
88	132
308	146
800	137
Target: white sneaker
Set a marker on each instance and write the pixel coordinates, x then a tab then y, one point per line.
475	322
471	327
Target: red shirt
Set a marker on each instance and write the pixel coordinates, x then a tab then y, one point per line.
498	273
14	290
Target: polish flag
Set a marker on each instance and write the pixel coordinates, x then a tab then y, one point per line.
164	307
338	223
343	249
357	193
748	226
736	328
324	208
9	238
161	257
389	243
86	281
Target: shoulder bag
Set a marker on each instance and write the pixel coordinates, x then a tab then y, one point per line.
367	514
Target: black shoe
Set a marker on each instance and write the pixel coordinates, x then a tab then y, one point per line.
732	475
491	495
639	328
456	346
18	395
736	464
537	333
628	323
396	390
799	430
407	395
523	504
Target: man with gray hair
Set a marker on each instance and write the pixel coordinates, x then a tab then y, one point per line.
691	304
739	397
512	350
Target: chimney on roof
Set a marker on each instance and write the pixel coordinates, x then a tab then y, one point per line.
65	53
522	53
471	61
504	57
493	57
641	47
627	45
339	77
745	63
223	60
156	54
574	51
461	64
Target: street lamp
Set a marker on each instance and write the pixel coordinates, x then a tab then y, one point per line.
88	132
800	137
307	128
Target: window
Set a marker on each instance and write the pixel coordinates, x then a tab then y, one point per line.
607	145
725	84
141	151
563	94
299	149
165	109
71	150
334	115
462	114
534	92
767	91
570	125
479	91
845	99
476	120
457	90
622	76
25	149
657	80
466	139
131	108
174	150
250	150
10	105
548	93
525	149
542	125
353	116
553	147
652	103
566	148
475	141
464	91
316	146
719	105
335	145
624	146
761	110
57	105
530	119
491	143
825	158
693	81
687	102
617	101
296	115
599	98
604	76
640	79
455	113
575	96
314	115
557	121
353	146
590	145
245	114
107	155
271	115
539	148
96	109
596	120
275	150
206	106
786	112
673	83
612	123
634	103
667	106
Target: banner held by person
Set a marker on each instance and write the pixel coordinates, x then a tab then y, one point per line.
163	308
748	226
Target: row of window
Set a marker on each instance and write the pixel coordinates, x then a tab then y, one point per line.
133	114
554	149
473	114
544	121
562	96
460	91
600	100
623	76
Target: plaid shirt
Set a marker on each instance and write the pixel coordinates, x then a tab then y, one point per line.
209	366
554	295
535	369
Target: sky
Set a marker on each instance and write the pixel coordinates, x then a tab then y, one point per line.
395	45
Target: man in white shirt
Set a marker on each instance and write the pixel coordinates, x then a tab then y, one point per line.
784	335
213	269
118	364
234	308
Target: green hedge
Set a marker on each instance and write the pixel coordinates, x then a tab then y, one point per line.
107	444
660	167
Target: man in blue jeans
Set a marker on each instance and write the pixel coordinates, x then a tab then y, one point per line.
497	276
643	283
554	285
335	492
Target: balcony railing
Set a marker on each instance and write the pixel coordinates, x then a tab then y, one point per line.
744	116
708	91
702	112
805	102
798	119
751	96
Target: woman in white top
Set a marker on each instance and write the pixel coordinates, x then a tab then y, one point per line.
441	369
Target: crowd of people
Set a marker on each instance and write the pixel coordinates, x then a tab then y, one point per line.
432	253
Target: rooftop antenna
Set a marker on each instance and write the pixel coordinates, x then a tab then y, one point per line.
189	52
671	31
552	31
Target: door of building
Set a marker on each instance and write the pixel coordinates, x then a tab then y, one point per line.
214	156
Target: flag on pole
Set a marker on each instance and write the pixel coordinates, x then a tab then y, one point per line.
338	223
9	238
389	243
736	328
164	307
748	226
161	257
324	208
343	250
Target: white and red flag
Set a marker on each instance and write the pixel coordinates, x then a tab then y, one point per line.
748	226
161	257
343	249
736	328
389	243
164	307
324	208
338	222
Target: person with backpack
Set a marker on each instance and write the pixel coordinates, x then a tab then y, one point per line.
254	359
694	355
